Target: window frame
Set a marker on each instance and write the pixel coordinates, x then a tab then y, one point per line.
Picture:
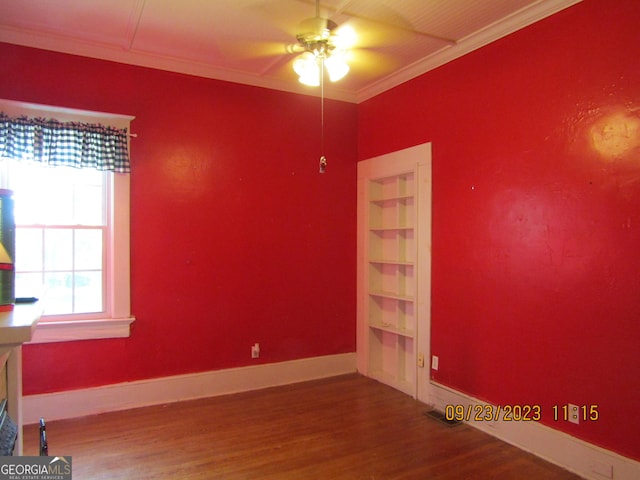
117	319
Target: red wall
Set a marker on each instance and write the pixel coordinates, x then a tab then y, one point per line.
235	236
536	235
236	239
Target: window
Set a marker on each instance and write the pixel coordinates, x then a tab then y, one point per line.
72	238
61	228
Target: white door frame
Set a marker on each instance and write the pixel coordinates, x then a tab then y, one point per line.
417	158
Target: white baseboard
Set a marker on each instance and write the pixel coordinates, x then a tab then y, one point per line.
587	460
578	456
122	396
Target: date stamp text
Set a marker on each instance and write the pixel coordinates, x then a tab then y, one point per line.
519	413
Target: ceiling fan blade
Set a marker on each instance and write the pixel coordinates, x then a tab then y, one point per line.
282	67
283	15
250	49
366	34
345	37
379	24
373	12
368	62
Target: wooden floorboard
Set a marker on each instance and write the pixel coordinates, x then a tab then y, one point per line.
347	427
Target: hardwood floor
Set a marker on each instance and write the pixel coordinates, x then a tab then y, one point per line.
347	427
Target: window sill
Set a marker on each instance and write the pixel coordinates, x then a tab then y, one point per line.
48	332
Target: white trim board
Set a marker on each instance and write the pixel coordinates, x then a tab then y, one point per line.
72	330
580	457
123	396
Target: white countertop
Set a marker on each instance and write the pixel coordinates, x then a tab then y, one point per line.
17	325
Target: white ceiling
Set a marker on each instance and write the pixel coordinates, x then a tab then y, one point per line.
245	41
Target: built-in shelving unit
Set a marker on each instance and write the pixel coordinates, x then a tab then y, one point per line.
391	273
389	302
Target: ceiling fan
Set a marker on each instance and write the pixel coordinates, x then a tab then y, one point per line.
322	47
343	37
325	49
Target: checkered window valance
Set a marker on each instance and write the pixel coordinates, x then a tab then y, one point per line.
73	144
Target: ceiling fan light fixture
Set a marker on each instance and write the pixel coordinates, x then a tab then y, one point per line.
336	65
310	79
307	68
303	62
323	50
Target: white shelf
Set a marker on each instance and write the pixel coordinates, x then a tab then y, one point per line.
18	325
392	262
404	386
393	228
391	329
392	295
396	198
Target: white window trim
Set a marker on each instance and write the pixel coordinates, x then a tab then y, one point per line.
118	325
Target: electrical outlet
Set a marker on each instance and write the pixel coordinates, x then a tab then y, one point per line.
421	360
434	362
574	413
255	350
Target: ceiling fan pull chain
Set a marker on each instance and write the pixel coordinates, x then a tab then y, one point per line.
323	159
323	163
